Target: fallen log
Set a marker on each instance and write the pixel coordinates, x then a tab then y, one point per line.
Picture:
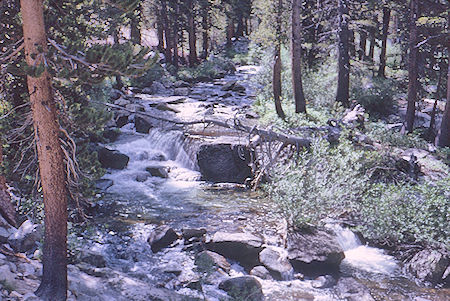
265	134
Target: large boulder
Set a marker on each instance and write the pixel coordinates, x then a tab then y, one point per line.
314	252
162	237
112	159
242	247
26	237
429	265
224	163
243	288
277	263
207	260
142	125
261	272
93	258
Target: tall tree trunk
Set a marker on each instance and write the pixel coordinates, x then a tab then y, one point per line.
119	82
371	55
193	60
230	32
386	19
276	80
167	32
443	137
205	33
51	165
431	135
412	66
362	44
299	96
343	88
160	31
175	37
352	44
240	27
135	27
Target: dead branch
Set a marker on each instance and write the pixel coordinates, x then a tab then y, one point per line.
265	134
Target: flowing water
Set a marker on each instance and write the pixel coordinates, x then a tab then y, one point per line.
136	203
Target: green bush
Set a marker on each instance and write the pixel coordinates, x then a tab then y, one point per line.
154	73
379	132
324	182
214	67
407	213
376	95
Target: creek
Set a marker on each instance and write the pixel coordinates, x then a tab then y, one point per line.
136	204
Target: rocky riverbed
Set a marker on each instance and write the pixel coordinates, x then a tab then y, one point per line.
163	231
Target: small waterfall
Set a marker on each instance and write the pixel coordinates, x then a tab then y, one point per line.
362	257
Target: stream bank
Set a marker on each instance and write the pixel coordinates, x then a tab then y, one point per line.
161	233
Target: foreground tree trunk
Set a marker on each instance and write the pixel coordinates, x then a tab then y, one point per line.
51	165
443	137
299	96
386	19
343	88
412	66
193	60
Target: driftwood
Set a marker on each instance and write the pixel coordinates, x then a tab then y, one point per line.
265	134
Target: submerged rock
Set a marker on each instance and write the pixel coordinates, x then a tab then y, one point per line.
243	288
351	290
25	237
242	247
224	163
278	264
429	265
103	184
162	237
112	158
314	253
160	172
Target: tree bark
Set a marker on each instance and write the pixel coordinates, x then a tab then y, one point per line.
343	88
412	66
240	27
362	44
135	27
230	32
371	55
51	165
299	96
276	80
205	33
167	31
175	37
160	31
443	137
386	19
193	60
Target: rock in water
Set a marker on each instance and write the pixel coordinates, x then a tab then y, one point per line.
25	237
224	163
162	237
142	125
351	290
112	159
261	272
103	184
278	265
242	247
243	288
159	172
314	253
207	261
429	265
